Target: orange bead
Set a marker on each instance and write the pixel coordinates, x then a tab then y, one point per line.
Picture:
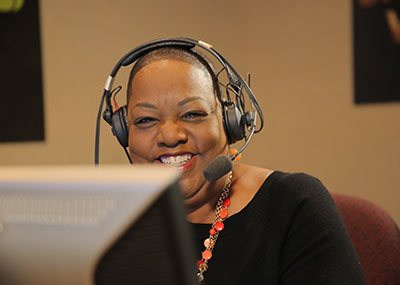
219	226
206	242
206	255
212	232
223	214
226	202
199	262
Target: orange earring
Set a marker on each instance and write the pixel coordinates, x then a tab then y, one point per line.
233	151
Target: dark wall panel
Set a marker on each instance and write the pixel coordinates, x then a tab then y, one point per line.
376	52
21	114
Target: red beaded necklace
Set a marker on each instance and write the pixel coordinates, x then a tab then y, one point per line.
221	213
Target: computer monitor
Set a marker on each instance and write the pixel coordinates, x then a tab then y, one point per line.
93	225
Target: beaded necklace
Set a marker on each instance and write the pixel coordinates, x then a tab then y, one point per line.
221	213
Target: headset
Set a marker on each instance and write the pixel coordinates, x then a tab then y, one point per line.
235	117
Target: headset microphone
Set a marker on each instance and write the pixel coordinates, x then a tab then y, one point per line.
222	164
217	168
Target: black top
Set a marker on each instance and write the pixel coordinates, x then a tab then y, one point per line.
290	233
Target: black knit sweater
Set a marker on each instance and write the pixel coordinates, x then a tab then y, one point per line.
290	233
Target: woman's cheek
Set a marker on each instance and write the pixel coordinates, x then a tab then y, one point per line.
140	147
213	136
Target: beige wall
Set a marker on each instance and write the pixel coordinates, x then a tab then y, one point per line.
300	56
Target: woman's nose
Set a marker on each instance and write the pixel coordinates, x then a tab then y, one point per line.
170	134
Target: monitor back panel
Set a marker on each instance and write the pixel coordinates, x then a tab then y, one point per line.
60	225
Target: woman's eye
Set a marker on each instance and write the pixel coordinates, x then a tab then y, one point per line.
194	115
145	121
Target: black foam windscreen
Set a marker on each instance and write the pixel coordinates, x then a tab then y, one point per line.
217	168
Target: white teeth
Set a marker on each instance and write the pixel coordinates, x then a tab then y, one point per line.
176	160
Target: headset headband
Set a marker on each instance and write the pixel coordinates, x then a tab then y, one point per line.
235	79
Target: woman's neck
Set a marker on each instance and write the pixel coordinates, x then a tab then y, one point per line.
246	181
201	207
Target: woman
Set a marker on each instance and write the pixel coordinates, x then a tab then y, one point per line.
251	225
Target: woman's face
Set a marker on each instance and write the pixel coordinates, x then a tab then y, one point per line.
175	120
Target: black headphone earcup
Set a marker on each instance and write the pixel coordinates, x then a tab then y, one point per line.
119	126
233	122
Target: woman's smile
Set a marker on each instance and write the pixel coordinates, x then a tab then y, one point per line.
182	161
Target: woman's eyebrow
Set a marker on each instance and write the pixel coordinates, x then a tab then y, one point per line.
190	99
146	105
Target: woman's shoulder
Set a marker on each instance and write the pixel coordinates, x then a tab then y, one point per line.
260	187
299	186
252	178
292	191
301	195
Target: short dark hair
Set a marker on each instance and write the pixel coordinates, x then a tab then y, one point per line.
186	55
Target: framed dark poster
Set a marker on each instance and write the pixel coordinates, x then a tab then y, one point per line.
376	27
21	114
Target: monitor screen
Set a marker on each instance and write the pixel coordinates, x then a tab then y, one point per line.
93	225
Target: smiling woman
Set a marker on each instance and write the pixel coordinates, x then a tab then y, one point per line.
251	225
